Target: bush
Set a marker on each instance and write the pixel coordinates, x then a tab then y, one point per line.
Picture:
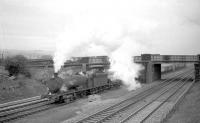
17	65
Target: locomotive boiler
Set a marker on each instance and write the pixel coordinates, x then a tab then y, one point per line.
73	82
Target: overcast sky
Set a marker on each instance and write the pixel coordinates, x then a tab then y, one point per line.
36	24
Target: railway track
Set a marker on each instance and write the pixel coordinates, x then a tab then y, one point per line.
123	111
4	75
13	110
19	102
22	109
141	114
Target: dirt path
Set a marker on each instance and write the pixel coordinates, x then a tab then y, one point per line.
188	110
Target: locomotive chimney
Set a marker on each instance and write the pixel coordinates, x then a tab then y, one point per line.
55	75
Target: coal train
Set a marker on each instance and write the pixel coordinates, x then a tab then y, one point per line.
78	85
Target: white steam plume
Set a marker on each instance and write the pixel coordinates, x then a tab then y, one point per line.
105	28
122	64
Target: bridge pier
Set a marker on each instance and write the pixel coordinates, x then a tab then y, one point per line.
152	70
197	69
196	72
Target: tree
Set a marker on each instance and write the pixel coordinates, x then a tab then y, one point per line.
17	65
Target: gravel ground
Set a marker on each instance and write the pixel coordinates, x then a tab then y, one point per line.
188	110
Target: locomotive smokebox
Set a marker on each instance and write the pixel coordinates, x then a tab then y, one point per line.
54	84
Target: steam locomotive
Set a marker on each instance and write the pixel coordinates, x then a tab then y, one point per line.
79	85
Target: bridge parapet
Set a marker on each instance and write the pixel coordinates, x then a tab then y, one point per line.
165	58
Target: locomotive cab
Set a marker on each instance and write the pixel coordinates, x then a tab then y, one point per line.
97	68
99	75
